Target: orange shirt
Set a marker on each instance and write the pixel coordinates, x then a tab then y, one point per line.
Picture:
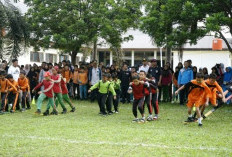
15	84
83	78
23	84
5	84
213	88
197	91
67	75
75	77
174	81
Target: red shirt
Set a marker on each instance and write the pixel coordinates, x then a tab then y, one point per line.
56	87
138	91
46	85
63	87
146	89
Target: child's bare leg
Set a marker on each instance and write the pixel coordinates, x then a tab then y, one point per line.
226	92
190	111
198	116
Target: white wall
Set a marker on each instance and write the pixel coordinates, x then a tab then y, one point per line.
206	59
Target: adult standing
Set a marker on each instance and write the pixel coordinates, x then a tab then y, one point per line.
94	76
145	66
125	76
185	76
155	71
14	69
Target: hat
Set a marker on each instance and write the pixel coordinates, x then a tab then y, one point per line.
47	74
144	60
153	60
56	68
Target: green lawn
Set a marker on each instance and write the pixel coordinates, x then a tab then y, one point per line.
85	133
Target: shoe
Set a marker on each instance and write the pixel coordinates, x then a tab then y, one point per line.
155	118
110	113
46	113
23	110
135	120
100	113
142	120
150	118
200	124
173	102
38	112
12	111
54	112
190	119
116	112
73	109
64	111
104	114
203	116
28	108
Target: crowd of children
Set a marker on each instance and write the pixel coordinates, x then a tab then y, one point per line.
110	85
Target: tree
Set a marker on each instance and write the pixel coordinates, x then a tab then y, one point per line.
14	33
70	25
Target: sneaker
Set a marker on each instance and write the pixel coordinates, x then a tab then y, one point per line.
116	112
200	124
53	112
38	112
203	116
190	119
142	120
110	113
12	111
104	114
73	109
64	111
28	108
150	118
46	113
173	102
23	110
155	118
135	120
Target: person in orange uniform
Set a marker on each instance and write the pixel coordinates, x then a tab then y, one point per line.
23	85
198	91
67	74
214	87
4	85
75	82
13	93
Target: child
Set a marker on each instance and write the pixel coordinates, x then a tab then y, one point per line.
154	88
137	87
198	90
117	84
46	93
166	82
67	74
109	96
57	88
146	90
75	82
13	93
65	95
83	80
175	84
214	87
23	86
104	87
4	85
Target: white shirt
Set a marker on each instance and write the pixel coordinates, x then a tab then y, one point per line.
14	71
95	76
144	68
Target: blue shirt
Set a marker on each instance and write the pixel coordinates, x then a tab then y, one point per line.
185	76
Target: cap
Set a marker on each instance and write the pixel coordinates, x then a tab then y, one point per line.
46	74
144	60
153	60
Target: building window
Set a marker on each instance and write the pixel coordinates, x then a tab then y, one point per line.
104	56
51	58
36	57
63	57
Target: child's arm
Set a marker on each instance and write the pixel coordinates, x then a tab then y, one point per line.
111	89
94	87
12	86
57	81
181	88
48	89
25	85
219	88
38	86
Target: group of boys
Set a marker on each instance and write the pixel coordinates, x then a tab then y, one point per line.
144	89
14	92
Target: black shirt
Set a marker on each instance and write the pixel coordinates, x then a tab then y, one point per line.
155	72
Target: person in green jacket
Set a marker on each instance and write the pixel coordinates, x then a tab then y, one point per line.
104	86
117	85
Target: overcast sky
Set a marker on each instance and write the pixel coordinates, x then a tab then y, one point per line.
23	8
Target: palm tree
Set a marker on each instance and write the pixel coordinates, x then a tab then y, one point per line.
14	33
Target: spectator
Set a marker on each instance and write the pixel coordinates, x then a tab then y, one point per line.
194	72
94	77
175	84
125	77
145	66
185	76
166	82
83	80
14	69
205	72
180	65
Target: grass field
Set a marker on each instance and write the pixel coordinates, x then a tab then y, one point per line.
85	133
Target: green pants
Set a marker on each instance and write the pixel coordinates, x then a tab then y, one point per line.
59	99
165	93
41	99
66	99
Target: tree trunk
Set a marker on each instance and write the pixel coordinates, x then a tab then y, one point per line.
168	54
180	54
73	57
95	50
